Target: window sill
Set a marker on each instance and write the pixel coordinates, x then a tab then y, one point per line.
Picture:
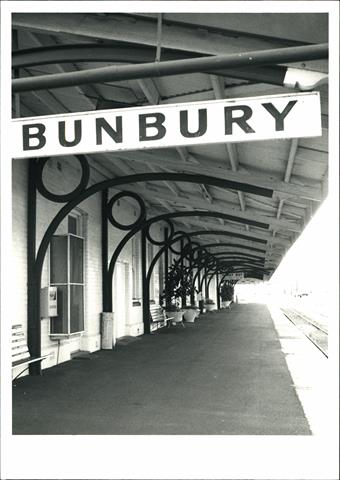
59	336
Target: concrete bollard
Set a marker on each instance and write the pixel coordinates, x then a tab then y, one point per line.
108	339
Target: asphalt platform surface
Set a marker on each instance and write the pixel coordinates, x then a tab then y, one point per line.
223	375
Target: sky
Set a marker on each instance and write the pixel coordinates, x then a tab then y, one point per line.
312	259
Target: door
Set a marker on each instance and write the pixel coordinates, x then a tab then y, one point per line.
120	300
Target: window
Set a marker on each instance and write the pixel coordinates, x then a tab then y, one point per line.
72	225
75	223
67	274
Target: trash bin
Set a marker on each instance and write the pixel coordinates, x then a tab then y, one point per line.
108	339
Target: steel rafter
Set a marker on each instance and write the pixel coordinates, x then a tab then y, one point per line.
121	53
171	67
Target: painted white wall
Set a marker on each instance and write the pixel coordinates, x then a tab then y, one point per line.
62	176
212	291
19	243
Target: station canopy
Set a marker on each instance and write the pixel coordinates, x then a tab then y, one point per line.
295	170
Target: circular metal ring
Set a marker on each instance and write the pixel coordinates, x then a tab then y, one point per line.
67	197
161	242
129	226
173	250
182	234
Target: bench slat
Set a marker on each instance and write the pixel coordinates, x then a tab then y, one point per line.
156	313
18	341
21	356
157	317
18	333
20	352
21	361
27	361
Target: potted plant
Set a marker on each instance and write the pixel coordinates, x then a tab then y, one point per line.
174	312
227	294
178	285
191	312
209	304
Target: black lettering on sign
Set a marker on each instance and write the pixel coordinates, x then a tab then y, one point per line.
279	117
38	134
202	123
62	136
157	123
241	121
116	135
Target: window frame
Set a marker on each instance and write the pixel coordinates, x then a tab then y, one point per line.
68	285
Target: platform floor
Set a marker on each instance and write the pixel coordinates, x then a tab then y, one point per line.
224	375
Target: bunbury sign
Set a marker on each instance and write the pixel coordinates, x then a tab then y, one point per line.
161	126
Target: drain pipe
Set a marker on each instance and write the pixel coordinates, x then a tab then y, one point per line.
171	67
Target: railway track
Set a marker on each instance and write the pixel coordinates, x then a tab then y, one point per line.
313	330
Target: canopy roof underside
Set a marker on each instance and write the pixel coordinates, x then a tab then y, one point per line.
291	167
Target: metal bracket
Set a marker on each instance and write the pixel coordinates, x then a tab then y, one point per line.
304	80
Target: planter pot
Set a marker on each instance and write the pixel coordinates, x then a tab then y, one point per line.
209	307
176	317
190	315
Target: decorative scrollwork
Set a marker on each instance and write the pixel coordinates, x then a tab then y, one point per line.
67	197
130	226
166	240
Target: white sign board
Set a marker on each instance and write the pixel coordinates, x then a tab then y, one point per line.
217	121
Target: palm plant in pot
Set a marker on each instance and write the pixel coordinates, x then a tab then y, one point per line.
227	293
178	286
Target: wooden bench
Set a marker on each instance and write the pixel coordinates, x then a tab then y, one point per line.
158	317
20	353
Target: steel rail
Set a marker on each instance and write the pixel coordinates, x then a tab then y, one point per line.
304	317
172	67
305	321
